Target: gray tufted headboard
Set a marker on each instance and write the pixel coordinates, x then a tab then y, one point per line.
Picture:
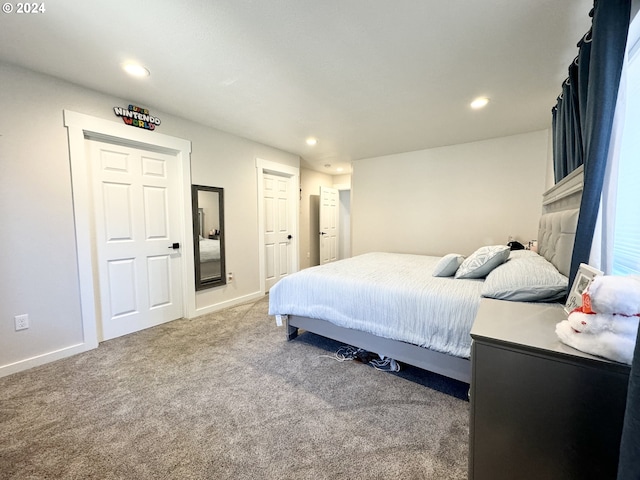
557	227
556	234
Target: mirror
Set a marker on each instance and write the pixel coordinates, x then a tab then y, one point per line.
208	236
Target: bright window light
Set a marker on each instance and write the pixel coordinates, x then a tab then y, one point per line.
626	249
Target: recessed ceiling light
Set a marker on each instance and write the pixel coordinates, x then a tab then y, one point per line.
339	169
479	102
312	141
135	70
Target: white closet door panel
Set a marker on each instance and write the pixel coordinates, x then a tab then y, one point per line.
154	167
269	182
156	216
283	215
122	287
284	259
118	212
270	260
269	216
159	274
114	161
282	186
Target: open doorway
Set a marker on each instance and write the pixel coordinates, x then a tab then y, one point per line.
344	217
310	183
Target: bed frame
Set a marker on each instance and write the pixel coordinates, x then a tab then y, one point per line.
453	367
555	242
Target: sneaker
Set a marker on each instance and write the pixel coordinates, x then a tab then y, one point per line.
385	364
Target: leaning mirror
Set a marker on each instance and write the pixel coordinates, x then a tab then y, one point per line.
208	236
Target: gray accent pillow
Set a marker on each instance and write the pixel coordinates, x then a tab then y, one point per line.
447	265
525	277
482	261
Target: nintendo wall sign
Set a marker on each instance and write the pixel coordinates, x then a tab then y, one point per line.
137	117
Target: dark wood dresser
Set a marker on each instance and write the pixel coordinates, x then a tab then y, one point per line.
540	410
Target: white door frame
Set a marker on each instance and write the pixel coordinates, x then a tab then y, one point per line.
81	127
293	174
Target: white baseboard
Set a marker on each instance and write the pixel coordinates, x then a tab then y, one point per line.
48	357
229	303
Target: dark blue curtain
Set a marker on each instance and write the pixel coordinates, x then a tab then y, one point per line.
583	117
582	69
568	115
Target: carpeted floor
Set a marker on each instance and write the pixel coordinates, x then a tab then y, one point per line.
224	396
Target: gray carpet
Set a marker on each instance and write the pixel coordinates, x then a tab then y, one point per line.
224	396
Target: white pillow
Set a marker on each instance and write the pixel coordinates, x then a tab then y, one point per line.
447	265
523	278
482	261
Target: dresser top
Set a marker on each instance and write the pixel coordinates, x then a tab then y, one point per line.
528	325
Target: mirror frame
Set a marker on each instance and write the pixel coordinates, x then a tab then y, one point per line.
200	284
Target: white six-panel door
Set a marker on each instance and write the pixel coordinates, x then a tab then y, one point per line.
277	228
136	225
329	226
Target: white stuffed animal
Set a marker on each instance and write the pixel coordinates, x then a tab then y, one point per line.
605	344
607	323
603	322
615	294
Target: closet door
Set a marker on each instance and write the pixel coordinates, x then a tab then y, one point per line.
137	238
329	225
278	245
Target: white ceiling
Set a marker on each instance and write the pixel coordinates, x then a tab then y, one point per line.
366	77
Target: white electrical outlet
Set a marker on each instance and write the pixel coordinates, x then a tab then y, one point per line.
22	322
229	277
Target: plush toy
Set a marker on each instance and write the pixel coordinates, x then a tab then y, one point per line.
615	294
607	323
595	323
606	344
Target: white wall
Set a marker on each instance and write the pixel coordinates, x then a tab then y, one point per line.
342	182
38	260
450	199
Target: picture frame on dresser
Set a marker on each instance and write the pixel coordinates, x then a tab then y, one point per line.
584	277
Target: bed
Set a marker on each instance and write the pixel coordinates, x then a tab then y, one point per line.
391	304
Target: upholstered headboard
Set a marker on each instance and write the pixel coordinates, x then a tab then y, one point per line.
556	234
557	227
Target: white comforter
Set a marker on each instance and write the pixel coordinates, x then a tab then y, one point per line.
389	295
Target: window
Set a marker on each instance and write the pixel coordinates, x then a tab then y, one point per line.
626	241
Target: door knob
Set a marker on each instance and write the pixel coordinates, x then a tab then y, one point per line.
175	246
289	237
322	233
